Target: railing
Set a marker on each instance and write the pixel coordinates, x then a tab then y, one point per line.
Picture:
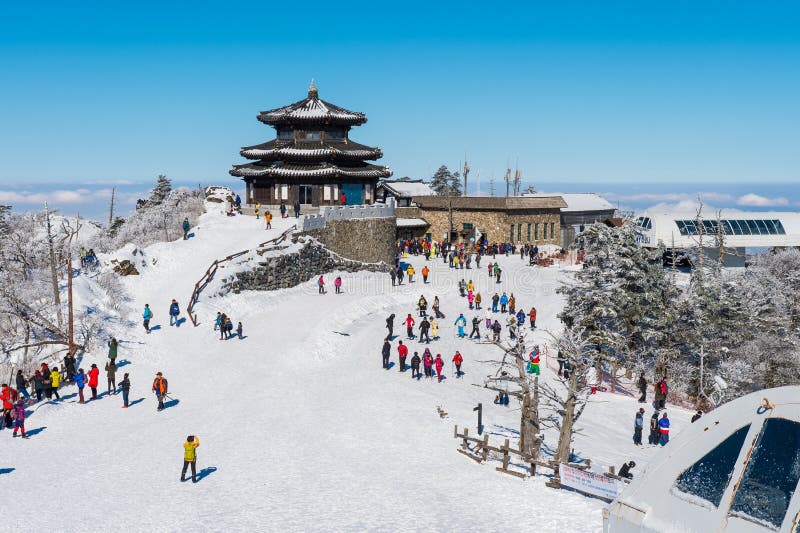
209	275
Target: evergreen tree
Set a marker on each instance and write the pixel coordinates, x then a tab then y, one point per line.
455	184
441	181
161	190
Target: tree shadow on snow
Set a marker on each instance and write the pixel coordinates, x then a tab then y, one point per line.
6	470
134	402
171	403
35	431
207	471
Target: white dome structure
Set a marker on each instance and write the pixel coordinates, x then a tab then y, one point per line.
735	470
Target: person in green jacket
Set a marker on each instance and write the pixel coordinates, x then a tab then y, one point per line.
112	350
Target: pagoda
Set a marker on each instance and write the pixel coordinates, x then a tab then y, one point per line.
312	160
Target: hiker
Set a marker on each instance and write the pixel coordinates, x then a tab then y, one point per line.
21	383
228	328
385	352
424	328
239	330
402	353
111	374
321	284
185	227
55	382
223	321
174	311
476	322
94	380
38	385
495	301
435	328
18	415
496	328
268	219
160	389
425	272
410	326
390	326
69	367
457	360
80	381
422	306
147	315
654	430
415	373
337	285
400	274
112	349
410	273
663	427
477	300
393	275
638	426
642	384
439	363
190	457
512	302
503	303
532	317
461	323
125	385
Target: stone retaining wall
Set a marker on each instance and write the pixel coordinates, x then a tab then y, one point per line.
368	240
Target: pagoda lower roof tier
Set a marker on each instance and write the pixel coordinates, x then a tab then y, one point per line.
305	151
323	170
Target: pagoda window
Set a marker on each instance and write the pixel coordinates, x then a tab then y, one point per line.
310	135
335	135
285	135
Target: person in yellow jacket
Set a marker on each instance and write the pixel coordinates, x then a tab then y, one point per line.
435	328
55	381
268	218
410	273
257	210
190	457
470	286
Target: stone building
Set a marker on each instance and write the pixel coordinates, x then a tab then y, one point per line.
402	190
519	220
312	160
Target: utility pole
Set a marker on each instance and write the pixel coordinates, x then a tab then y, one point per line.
111	210
491	185
508	177
70	315
517	179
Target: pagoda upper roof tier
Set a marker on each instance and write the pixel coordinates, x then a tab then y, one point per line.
279	169
312	110
311	150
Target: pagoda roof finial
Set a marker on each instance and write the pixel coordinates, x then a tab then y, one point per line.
312	90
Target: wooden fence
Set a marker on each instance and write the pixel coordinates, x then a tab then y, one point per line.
209	275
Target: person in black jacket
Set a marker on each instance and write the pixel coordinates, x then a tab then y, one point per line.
390	325
385	352
125	385
697	416
655	432
625	470
476	322
415	366
21	383
424	328
642	383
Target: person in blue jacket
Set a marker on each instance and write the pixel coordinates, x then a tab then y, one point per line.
174	311
186	227
80	381
461	322
520	318
503	303
663	426
147	315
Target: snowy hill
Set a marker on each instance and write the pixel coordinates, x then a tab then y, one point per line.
300	427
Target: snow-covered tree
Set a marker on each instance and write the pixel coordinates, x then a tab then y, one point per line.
161	191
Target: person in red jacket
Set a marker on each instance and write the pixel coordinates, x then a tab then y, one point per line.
439	364
457	360
94	380
402	352
7	396
410	326
532	317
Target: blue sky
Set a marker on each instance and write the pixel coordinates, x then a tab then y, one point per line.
580	92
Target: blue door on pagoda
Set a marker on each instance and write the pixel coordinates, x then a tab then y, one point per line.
352	193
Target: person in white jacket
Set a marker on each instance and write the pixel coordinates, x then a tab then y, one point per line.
591	379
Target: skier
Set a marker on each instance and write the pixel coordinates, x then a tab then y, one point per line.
112	349
425	272
218	321
111	374
638	426
435	328
427	362
654	430
532	317
461	323
125	385
321	285
503	303
477	300
147	315
422	305
697	416
642	383
18	415
239	331
495	301
439	363
457	360
174	311
625	470
663	427
402	353
94	380
390	326
160	389
190	457
223	321
476	322
186	227
80	381
337	284
415	366
424	327
385	352
410	326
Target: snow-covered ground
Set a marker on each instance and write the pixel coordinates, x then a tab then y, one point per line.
300	427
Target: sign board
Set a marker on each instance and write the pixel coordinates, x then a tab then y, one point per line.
589	482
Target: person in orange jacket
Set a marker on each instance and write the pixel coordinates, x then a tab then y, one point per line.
190	457
532	317
160	387
425	272
94	374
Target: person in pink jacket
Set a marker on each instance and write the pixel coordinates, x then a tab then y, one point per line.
19	417
337	283
470	298
439	363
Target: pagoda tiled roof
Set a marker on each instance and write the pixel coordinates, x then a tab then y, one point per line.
312	110
280	169
337	150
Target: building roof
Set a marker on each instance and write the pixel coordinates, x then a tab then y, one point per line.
407	188
741	229
290	170
315	150
311	110
411	223
490	203
578	201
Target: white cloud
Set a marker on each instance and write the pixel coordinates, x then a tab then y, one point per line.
754	200
675	198
65	196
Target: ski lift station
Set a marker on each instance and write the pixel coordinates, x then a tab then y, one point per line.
738	230
735	470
